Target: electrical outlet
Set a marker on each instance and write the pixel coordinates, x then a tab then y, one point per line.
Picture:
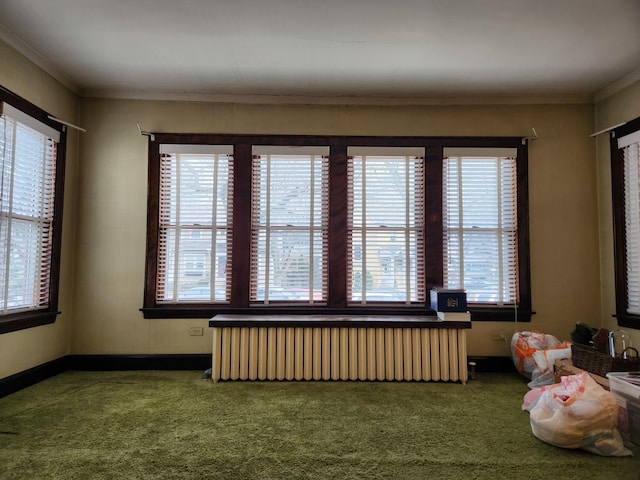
196	331
499	336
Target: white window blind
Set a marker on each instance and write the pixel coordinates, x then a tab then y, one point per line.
27	181
480	223
385	233
632	218
289	224
195	221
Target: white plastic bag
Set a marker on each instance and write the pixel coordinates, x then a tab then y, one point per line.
543	373
523	347
576	413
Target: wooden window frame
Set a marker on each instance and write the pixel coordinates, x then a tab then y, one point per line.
617	192
42	316
337	255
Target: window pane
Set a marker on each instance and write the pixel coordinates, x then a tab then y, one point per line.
480	227
23	265
386	211
194	226
289	247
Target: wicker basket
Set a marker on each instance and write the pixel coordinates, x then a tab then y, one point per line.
589	359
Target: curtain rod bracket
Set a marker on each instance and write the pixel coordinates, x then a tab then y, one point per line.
530	137
145	133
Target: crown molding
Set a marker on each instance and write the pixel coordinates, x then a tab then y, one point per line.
340	100
617	86
37	59
427	100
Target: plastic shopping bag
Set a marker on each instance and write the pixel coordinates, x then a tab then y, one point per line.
576	413
543	360
523	347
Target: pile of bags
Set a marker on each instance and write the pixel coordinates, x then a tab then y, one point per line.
575	413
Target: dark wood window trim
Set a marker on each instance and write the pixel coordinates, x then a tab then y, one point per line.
617	191
336	305
23	320
349	321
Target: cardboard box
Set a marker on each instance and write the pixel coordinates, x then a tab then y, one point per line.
448	300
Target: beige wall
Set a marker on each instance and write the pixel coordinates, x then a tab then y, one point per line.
25	349
112	206
105	208
618	108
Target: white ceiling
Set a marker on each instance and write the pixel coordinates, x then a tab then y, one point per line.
359	49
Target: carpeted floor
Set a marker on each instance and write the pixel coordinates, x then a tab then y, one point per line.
174	425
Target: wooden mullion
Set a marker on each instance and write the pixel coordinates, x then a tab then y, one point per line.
433	219
242	238
338	204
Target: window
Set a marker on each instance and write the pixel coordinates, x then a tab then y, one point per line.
194	223
289	224
386	225
31	176
480	223
335	225
625	168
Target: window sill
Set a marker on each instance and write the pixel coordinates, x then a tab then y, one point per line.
628	321
336	321
493	314
21	321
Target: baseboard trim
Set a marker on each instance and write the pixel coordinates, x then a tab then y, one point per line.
18	381
140	362
202	362
493	364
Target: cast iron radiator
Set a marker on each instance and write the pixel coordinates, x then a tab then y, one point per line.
423	353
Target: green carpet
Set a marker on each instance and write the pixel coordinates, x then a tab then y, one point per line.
174	425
